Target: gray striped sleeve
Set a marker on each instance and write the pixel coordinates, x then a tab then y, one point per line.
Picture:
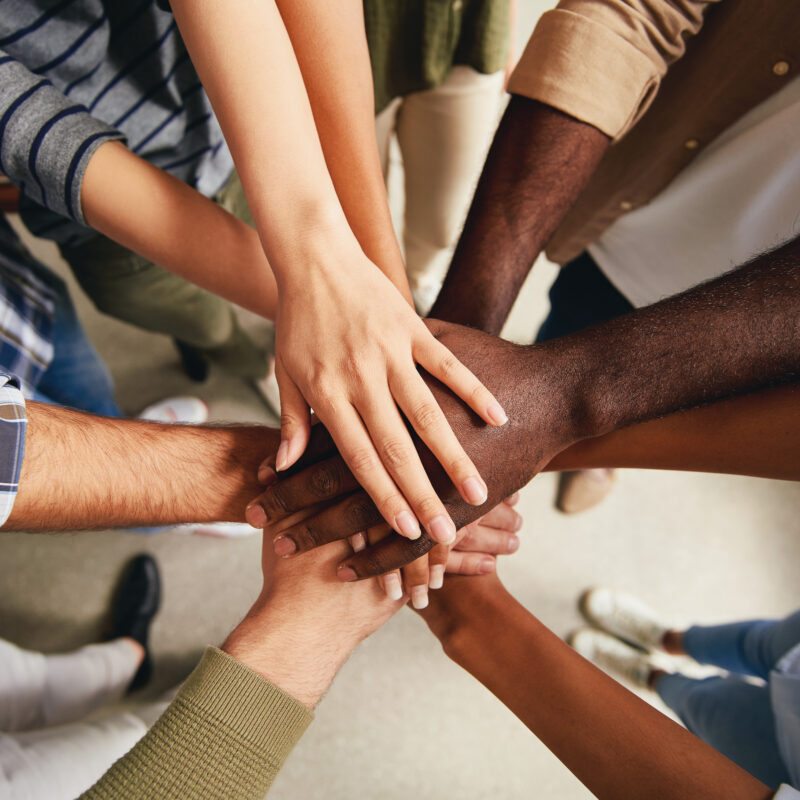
46	140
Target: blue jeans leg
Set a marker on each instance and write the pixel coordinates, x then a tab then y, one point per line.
581	296
749	648
77	377
734	717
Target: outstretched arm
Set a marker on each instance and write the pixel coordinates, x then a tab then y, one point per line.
616	744
81	471
730	336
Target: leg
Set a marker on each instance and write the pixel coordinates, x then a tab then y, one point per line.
733	716
444	135
133	289
61	763
750	648
38	690
76	377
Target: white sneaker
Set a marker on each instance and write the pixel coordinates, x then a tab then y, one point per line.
623	615
612	655
177	411
219	530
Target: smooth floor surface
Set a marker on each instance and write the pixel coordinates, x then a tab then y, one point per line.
401	720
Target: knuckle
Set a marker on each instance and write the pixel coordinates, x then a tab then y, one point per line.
362	462
308	537
448	365
395	454
325	481
427	415
276	501
479	393
460	465
429	507
359	514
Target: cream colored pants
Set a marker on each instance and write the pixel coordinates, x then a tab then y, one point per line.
54	741
443	135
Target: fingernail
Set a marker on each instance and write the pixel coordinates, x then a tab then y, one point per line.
475	491
486	566
407	524
346	574
517	522
419	597
358	542
255	515
513	544
513	500
284	546
496	414
266	474
282	458
436	580
392	587
442	530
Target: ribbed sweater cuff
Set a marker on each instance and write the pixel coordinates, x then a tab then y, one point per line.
225	735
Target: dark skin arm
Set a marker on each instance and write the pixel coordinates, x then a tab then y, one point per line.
616	744
538	164
731	336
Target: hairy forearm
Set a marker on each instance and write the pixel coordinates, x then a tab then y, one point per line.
82	471
331	49
612	741
756	434
163	219
539	162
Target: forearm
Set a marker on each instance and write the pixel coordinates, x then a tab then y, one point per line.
538	163
331	50
245	59
756	434
613	742
82	471
163	219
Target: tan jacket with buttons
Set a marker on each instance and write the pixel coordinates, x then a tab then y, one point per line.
610	63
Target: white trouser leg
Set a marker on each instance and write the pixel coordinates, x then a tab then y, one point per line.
444	135
37	690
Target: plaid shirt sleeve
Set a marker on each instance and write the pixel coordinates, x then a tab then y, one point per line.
13	421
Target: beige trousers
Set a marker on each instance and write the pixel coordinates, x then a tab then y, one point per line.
443	136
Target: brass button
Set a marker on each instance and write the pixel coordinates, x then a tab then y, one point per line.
780	67
691	144
626	205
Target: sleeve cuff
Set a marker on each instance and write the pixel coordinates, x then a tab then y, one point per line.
13	422
584	69
47	140
226	734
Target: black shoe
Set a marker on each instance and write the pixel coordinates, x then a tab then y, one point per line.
194	363
135	604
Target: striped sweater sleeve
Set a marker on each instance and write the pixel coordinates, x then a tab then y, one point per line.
225	736
46	140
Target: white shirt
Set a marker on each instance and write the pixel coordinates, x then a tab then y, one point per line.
738	198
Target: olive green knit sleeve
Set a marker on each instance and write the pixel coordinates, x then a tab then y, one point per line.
225	735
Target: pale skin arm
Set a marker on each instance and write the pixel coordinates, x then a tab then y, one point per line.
616	744
81	471
347	341
173	225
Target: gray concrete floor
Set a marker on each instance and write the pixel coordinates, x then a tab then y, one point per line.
401	720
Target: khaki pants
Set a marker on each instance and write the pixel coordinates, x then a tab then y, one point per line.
126	286
443	135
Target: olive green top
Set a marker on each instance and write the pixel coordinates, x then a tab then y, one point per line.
413	44
225	736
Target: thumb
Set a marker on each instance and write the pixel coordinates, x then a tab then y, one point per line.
295	420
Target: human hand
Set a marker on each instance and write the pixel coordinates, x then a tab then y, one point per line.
474	553
305	623
348	345
546	419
